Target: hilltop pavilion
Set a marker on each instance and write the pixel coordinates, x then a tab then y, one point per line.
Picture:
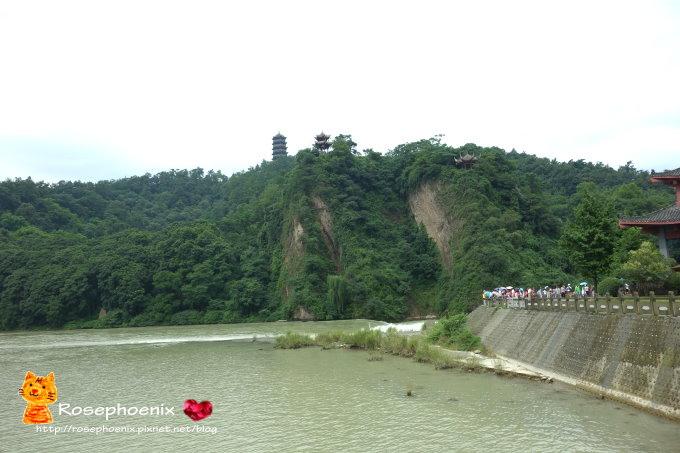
664	223
466	161
322	142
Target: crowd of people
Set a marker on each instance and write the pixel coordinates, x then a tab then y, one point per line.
509	292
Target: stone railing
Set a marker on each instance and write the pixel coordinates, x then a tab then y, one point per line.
650	305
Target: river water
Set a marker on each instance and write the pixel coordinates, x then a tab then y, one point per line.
308	400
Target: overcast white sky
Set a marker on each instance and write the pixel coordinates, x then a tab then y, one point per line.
93	90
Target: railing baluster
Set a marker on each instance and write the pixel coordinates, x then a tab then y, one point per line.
651	305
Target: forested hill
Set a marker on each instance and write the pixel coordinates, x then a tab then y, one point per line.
328	235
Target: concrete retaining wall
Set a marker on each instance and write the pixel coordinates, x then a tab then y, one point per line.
629	357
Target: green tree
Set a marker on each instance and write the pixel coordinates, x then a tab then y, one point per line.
647	266
589	239
337	296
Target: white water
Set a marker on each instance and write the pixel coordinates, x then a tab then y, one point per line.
164	335
402	327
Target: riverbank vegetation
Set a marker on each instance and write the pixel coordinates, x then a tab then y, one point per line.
318	235
413	346
449	333
452	333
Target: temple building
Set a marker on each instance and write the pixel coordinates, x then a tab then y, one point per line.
664	223
466	161
279	147
321	142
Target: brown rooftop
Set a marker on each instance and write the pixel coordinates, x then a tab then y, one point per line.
666	174
669	214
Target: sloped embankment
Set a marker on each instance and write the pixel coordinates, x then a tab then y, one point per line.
630	358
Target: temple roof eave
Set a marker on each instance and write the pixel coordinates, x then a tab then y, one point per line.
670	215
670	174
628	224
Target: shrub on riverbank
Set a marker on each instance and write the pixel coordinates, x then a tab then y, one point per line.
451	332
293	340
436	356
396	344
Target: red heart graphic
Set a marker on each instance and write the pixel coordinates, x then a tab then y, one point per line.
197	411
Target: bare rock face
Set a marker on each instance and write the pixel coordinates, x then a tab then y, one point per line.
428	210
324	217
294	247
303	315
293	251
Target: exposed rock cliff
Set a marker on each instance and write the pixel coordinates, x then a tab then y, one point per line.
295	246
324	217
426	206
293	251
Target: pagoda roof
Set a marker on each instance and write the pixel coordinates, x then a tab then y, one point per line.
666	174
665	216
467	158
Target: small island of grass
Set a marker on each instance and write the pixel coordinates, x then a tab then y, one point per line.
427	347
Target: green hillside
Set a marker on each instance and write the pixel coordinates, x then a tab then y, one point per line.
322	235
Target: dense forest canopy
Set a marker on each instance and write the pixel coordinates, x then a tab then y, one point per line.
327	235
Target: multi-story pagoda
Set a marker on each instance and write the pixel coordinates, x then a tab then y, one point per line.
466	161
279	147
664	223
322	143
